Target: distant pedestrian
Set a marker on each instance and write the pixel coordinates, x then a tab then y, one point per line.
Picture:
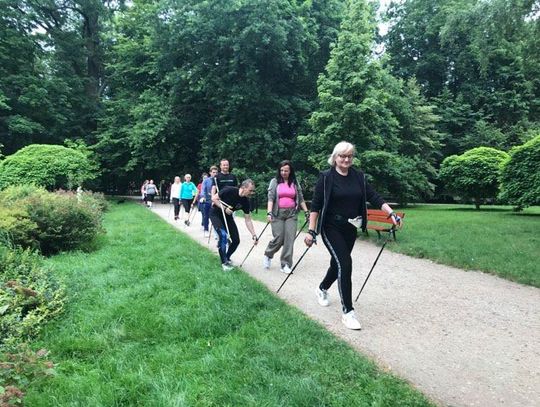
151	192
175	196
164	191
285	200
143	192
188	191
224	204
198	197
206	198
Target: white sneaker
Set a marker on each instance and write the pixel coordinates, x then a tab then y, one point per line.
286	269
231	263
322	297
226	267
350	321
266	262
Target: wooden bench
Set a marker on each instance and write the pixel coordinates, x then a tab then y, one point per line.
380	222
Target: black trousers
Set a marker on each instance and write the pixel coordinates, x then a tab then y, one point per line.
339	240
216	216
176	203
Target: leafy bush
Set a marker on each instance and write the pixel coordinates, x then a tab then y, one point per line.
63	222
30	295
50	166
53	222
18	368
17	227
474	174
520	178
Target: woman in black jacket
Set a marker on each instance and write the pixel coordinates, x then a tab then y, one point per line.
338	209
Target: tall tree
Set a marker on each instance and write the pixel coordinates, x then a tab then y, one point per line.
477	60
360	101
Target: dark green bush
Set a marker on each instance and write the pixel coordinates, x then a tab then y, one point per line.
30	295
473	174
520	178
63	222
50	166
54	222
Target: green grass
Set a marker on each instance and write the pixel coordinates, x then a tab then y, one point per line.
153	321
493	239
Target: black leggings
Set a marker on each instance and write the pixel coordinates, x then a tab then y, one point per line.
217	221
339	240
176	203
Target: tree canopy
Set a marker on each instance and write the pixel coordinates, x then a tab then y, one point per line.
159	87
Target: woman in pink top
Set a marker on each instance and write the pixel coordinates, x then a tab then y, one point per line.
284	201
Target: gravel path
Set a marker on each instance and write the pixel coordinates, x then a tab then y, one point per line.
462	338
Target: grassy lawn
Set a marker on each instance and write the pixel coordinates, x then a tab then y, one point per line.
493	239
152	320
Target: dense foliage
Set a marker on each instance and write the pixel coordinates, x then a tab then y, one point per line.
159	87
31	217
30	294
478	61
520	180
473	174
50	166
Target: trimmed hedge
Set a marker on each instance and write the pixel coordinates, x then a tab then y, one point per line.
520	178
49	166
473	174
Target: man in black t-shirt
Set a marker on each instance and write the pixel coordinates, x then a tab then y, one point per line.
228	200
224	177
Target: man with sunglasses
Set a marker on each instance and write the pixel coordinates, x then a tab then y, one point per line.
224	203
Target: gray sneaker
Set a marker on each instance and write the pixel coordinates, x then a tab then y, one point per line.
323	297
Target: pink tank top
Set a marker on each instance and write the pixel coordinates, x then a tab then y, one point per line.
287	195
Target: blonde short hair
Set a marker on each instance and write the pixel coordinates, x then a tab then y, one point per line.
341	148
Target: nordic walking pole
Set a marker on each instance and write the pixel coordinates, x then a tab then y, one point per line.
253	246
302	228
210	231
169	213
194	209
294	268
374	264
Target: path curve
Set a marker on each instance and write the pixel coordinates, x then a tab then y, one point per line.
462	338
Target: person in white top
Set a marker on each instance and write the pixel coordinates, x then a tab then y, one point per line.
175	196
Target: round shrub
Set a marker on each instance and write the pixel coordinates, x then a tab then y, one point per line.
53	222
473	174
63	222
30	295
50	166
520	178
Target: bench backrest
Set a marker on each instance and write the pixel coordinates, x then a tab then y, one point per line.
376	215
